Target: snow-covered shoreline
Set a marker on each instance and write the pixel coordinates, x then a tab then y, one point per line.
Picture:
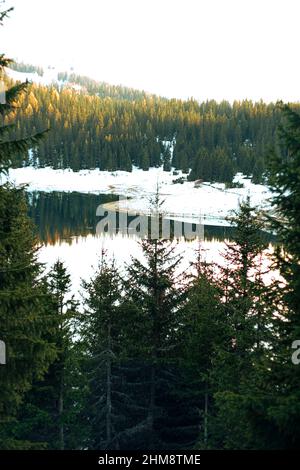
210	201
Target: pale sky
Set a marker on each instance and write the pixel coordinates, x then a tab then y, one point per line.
221	49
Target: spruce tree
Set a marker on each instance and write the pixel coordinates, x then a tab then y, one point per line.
201	334
240	373
104	331
65	309
284	180
24	317
42	417
23	301
53	412
151	288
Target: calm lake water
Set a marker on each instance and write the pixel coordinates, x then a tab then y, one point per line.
66	227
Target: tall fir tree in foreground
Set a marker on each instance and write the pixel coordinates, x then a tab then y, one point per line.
240	371
24	316
47	413
23	306
201	332
284	180
64	308
153	287
104	337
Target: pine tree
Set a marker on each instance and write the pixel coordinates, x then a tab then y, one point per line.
12	148
24	315
104	331
240	362
64	309
201	334
151	288
88	127
167	159
23	301
41	420
284	180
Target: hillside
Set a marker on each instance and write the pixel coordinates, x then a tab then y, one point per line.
95	125
68	79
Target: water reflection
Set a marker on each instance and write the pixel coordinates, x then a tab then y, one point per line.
66	225
61	216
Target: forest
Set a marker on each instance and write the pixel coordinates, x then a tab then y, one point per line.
114	128
154	356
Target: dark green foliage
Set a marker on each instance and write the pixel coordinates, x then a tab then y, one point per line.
112	407
104	127
44	419
239	376
27	68
153	290
18	145
201	333
158	360
24	317
4	13
284	179
166	367
212	166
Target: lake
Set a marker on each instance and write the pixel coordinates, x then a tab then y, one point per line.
66	228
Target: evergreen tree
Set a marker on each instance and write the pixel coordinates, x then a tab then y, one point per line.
64	310
284	179
89	131
41	420
240	361
109	409
11	148
201	334
24	315
23	305
151	288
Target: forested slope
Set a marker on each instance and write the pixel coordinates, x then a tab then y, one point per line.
93	125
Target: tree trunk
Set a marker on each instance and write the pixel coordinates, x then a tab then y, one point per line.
108	390
151	410
205	417
60	413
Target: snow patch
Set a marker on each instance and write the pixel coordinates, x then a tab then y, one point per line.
183	201
49	77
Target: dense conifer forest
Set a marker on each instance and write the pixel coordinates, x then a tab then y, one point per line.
155	355
114	128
